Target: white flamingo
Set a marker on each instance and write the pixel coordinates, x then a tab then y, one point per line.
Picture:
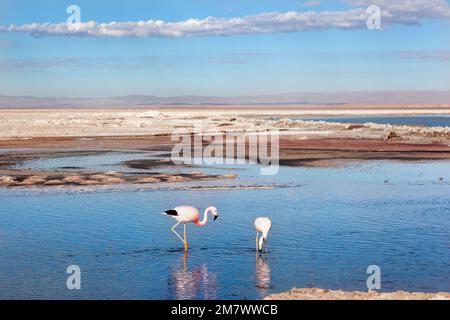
262	225
186	214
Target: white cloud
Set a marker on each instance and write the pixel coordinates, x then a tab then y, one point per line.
405	12
408	11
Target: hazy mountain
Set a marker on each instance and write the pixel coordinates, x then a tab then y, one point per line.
385	97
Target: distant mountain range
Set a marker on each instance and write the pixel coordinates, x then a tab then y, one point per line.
301	98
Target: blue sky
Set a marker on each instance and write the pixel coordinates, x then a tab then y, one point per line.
412	55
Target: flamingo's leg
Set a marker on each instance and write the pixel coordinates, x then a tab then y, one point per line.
176	233
257	242
185	239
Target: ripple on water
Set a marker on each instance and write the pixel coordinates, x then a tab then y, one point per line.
325	234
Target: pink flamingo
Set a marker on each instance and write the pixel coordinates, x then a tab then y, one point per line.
262	225
186	214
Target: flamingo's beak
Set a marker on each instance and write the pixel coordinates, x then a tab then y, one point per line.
215	217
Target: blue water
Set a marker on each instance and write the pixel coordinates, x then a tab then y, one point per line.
427	121
329	225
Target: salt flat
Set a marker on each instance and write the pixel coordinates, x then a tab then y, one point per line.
27	123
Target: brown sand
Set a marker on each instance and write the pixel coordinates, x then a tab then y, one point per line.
14	178
294	151
11	177
322	294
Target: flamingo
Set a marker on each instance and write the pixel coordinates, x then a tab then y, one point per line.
186	214
262	224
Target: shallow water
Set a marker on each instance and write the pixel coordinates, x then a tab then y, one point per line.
427	121
329	225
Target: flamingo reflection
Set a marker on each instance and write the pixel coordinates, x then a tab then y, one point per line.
197	283
263	276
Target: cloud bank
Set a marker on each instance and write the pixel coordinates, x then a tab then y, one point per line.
394	12
426	55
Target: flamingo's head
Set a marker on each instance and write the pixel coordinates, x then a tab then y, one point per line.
214	212
262	241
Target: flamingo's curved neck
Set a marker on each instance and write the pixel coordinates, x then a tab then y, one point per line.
205	218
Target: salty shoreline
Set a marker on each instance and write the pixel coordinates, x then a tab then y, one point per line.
322	294
27	123
27	133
